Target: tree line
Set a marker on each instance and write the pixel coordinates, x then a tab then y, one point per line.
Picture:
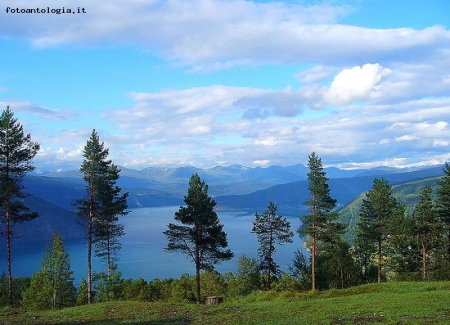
388	243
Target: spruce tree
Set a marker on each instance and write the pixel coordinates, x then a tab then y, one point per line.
377	210
443	203
271	230
16	154
102	204
425	219
199	233
321	223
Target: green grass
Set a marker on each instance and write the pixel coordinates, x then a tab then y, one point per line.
397	303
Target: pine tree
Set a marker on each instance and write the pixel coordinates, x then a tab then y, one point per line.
443	203
271	230
321	224
377	209
102	204
16	154
426	222
107	229
200	235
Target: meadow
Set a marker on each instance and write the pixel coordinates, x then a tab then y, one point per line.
397	303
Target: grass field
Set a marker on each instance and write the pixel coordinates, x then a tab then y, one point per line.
397	303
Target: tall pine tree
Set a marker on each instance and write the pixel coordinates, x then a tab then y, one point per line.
321	223
107	229
200	235
425	220
271	230
377	210
443	203
102	204
16	154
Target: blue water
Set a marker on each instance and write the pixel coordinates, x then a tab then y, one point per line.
142	254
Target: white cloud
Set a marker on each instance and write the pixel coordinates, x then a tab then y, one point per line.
355	84
406	137
221	34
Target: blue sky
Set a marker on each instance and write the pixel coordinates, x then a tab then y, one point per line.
362	83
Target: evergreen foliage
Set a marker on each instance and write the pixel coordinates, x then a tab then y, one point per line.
16	154
376	213
443	204
199	234
428	229
321	223
271	230
100	208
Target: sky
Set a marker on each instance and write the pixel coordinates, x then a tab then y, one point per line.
362	83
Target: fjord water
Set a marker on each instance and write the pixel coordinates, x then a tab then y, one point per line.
142	254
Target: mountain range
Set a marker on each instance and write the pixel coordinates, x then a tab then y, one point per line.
233	187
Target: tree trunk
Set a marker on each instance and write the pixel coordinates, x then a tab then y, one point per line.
379	261
197	268
270	261
89	270
424	258
313	259
8	255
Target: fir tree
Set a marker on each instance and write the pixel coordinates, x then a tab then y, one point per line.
427	226
16	154
271	230
443	203
321	223
100	208
377	210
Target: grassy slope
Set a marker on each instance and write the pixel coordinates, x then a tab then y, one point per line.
387	303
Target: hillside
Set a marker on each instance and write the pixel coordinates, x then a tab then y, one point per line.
290	197
386	303
406	193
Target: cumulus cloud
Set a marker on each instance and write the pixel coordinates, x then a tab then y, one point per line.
366	96
356	84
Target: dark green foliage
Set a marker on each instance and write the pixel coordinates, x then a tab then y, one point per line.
52	287
19	286
443	203
107	229
376	214
336	267
199	234
300	270
101	206
428	229
16	154
321	223
109	287
82	293
271	230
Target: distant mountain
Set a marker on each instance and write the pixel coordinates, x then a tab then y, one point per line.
291	197
51	219
233	187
